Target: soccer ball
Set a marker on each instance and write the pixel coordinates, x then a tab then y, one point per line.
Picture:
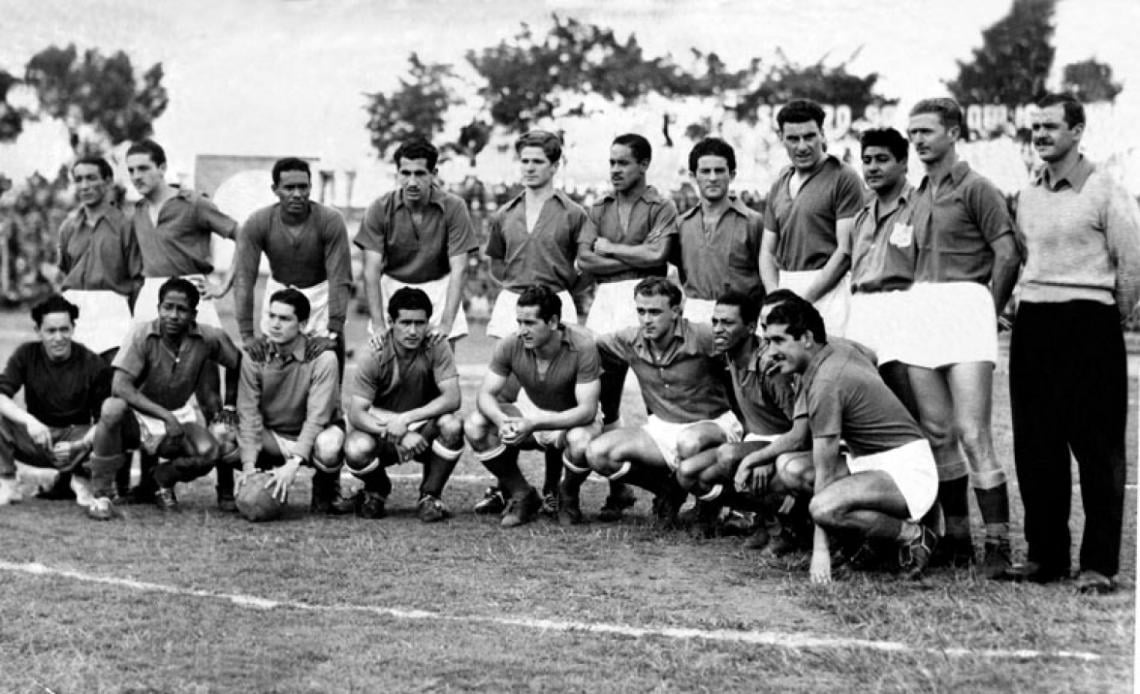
255	502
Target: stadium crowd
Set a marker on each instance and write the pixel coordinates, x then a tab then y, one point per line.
818	376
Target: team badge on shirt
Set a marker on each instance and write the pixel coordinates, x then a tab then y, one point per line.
902	235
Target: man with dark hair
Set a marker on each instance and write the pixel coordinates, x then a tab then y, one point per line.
677	364
557	367
807	221
890	480
719	239
286	407
634	229
966	266
883	255
64	386
306	244
99	259
765	402
1067	369
156	372
417	236
403	405
536	237
173	227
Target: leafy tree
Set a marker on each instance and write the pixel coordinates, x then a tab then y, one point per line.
415	108
787	80
1090	80
97	90
11	119
1014	61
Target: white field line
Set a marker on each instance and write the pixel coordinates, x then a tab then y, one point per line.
789	640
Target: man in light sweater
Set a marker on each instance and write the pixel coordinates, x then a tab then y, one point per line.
1068	375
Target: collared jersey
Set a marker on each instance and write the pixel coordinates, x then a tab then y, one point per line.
417	253
883	251
180	244
805	224
397	379
1082	238
287	395
546	255
302	256
842	394
168	377
956	227
680	385
651	218
767	402
59	394
728	258
576	362
100	253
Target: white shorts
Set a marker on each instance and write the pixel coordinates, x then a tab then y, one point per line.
318	296
146	306
613	307
881	321
504	321
104	318
913	470
951	323
437	294
152	431
833	306
551	438
665	434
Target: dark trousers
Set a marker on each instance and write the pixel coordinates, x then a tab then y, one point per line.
1069	391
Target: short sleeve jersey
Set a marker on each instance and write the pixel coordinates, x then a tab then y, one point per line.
59	394
397	379
842	394
167	377
767	402
651	218
417	253
728	258
956	227
99	253
180	243
553	390
683	384
545	255
883	250
805	224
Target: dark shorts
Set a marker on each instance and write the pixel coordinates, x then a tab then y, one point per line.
17	445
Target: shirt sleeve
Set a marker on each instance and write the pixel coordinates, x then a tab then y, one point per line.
825	409
443	362
250	424
614	348
771	223
991	213
589	363
848	193
590	235
133	254
131	358
663	221
210	217
321	403
1122	231
496	244
460	231
247	257
373	228
338	267
12	380
366	382
501	358
65	229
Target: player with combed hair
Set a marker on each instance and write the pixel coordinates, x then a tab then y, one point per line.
557	367
402	406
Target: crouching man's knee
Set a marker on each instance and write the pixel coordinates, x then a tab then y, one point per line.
795	472
113	412
360	453
328	448
479	431
450	431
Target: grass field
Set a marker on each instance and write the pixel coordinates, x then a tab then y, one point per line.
205	602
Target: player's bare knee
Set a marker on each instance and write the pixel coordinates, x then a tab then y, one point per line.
450	430
826	510
328	447
359	450
477	430
113	411
599	458
690	442
974	435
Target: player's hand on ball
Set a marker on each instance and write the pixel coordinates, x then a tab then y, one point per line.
281	479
